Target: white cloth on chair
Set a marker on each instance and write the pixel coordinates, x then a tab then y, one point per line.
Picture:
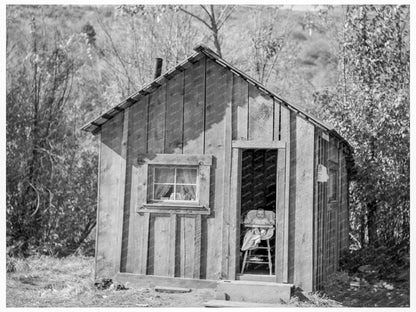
257	233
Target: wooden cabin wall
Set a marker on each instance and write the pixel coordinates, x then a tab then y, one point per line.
331	216
133	224
333	209
200	111
111	187
321	155
258	117
301	198
186	115
344	216
255	116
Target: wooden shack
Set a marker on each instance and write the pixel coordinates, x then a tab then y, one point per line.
208	130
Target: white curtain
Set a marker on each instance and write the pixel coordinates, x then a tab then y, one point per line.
163	175
186	176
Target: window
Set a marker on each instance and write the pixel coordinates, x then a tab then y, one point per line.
173	184
333	185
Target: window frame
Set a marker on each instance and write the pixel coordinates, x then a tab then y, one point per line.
202	163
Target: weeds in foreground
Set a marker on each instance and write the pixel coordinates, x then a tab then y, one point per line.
367	291
315	299
69	282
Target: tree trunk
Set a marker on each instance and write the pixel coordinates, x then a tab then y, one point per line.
362	229
372	223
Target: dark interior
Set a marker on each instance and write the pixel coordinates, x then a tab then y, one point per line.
258	190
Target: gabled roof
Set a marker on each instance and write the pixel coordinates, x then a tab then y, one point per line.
200	50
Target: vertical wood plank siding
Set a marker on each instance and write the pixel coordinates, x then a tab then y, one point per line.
158	252
303	245
122	192
285	135
292	197
157	114
260	123
111	179
200	111
321	222
174	115
132	222
235	210
240	109
331	216
194	93
281	237
216	101
228	97
344	215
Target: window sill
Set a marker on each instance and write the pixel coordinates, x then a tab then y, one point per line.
174	208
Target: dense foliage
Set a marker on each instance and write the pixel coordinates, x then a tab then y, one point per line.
370	107
51	180
65	64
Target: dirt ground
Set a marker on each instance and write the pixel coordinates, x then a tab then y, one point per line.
68	282
40	293
49	282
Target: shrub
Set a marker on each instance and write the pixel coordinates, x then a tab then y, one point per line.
390	263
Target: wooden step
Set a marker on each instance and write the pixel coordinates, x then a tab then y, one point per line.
256	277
253	291
235	304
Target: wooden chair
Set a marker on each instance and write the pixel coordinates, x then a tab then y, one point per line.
256	258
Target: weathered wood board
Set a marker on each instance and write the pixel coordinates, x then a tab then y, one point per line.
194	109
284	132
174	114
158	254
134	223
156	121
112	177
261	115
303	261
240	109
292	195
217	87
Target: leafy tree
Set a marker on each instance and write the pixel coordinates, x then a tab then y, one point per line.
50	180
213	17
267	42
370	107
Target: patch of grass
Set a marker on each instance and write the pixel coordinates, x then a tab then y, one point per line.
69	282
314	299
44	281
370	293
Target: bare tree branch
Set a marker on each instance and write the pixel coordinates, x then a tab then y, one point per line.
221	23
116	52
206	11
195	16
37	199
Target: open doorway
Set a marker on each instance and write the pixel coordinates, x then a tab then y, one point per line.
258	191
